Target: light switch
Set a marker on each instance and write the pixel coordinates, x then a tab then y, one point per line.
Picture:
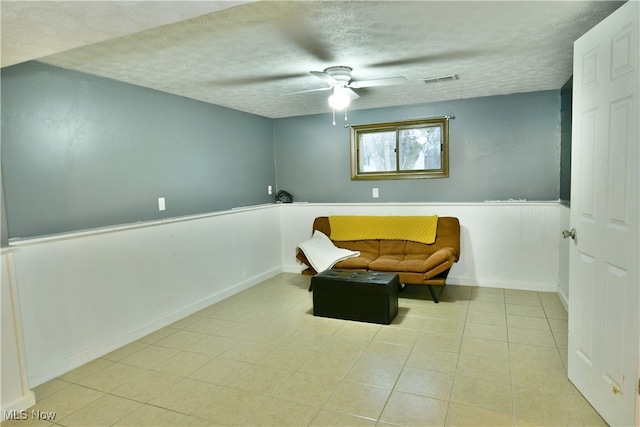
375	193
161	205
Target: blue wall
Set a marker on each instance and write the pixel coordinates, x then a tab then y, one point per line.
500	147
81	152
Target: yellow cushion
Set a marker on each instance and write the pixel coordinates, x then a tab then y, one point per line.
420	229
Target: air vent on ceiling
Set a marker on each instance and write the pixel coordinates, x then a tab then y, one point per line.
440	79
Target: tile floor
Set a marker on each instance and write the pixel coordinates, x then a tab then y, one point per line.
482	357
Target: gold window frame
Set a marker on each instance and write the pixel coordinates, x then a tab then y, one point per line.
357	172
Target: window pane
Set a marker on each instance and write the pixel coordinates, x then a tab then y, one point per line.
377	152
420	148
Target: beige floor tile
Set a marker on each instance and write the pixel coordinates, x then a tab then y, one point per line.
186	396
213	345
426	383
308	340
489	355
357	331
545	375
181	339
433	360
184	323
410	410
374	373
183	363
67	401
396	336
50	387
307	389
111	377
482	317
146	386
149	356
489	332
326	418
525	310
496	396
157	335
564	406
278	413
284	357
439	341
327	365
389	353
556	311
531	300
445	326
472	416
486	348
532	336
127	350
151	416
247	351
85	370
347	348
407	321
358	399
488	297
527	322
260	379
207	325
486	307
230	407
104	411
534	356
220	371
484	368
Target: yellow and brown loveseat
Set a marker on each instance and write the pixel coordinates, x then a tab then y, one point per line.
417	262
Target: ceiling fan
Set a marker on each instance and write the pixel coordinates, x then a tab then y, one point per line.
339	79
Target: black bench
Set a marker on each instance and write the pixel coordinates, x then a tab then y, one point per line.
356	295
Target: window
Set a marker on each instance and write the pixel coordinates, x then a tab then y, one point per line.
399	150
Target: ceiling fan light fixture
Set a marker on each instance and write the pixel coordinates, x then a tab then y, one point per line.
339	100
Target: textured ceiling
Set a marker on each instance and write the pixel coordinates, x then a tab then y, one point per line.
253	56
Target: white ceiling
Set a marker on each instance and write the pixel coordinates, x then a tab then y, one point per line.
251	56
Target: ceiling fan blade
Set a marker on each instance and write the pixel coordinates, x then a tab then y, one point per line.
324	77
258	79
351	93
310	90
295	27
389	81
458	54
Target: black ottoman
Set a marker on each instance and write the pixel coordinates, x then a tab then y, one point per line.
356	295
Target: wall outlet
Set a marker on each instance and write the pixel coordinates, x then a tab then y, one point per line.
269	190
375	193
161	205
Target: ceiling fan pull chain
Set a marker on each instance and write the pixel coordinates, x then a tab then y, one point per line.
334	116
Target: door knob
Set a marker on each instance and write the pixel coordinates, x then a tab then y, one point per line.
567	233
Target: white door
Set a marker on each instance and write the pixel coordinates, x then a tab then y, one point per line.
604	320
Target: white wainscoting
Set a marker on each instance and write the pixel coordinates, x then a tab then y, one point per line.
503	244
565	246
15	394
83	295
